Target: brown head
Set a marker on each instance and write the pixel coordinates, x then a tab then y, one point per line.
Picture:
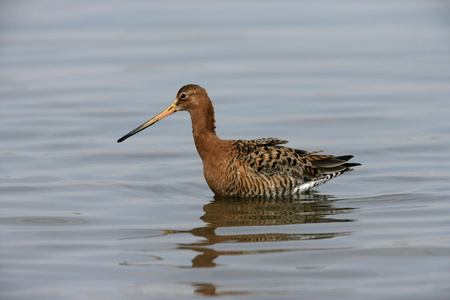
192	98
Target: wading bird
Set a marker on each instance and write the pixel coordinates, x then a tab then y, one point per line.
249	168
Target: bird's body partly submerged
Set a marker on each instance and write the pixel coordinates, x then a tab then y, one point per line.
249	168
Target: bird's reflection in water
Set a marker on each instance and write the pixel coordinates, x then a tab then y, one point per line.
209	289
306	208
233	212
255	219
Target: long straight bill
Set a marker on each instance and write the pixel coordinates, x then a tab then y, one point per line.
167	112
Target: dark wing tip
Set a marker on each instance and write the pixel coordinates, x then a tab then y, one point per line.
349	165
345	157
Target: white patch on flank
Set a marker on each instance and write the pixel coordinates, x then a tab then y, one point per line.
305	187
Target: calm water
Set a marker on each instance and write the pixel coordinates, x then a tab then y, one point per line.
83	217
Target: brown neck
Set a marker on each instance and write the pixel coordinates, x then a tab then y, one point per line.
204	130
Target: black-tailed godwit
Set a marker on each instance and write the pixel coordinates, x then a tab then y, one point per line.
249	168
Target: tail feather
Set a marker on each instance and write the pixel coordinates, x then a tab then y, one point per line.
349	165
345	157
330	166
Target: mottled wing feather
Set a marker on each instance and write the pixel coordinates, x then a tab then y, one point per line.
265	141
270	160
278	169
268	169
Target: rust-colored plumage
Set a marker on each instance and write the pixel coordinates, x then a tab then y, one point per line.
249	168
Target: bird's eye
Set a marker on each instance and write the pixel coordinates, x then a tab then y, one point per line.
183	96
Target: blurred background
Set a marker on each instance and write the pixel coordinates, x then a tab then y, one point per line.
83	217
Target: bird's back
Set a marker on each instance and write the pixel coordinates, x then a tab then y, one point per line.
265	168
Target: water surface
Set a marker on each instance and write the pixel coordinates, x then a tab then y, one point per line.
83	217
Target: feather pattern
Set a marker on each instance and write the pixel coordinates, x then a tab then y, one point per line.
264	168
249	168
